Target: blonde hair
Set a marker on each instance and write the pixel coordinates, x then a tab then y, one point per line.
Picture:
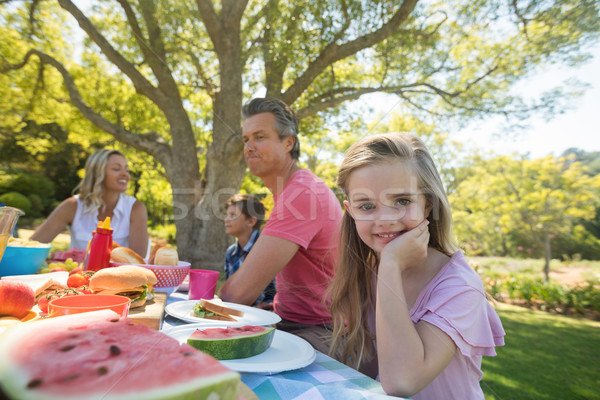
352	290
91	186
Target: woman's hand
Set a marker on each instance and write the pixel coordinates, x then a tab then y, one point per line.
408	249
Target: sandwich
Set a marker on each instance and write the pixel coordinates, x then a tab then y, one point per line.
126	280
43	284
212	309
124	255
166	256
50	286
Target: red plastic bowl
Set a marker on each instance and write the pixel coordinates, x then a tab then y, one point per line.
88	302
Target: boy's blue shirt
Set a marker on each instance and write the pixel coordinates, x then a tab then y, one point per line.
235	256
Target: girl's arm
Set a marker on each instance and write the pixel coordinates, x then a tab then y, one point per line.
138	229
56	222
410	356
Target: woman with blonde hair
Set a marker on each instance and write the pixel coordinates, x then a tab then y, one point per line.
407	307
101	194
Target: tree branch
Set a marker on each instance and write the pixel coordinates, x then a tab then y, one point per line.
331	102
339	95
520	16
334	52
218	27
150	142
151	48
141	84
207	83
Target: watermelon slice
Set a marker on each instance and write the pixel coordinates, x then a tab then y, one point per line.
233	342
96	355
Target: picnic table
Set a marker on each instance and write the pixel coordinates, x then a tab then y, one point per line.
325	378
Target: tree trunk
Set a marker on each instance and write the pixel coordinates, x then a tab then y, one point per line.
183	173
547	256
225	164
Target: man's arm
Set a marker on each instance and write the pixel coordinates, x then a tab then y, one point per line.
268	256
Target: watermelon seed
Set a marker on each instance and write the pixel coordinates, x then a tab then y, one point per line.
102	371
114	350
188	353
70	378
114	320
67	348
34	383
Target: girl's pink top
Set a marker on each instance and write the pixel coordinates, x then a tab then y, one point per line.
455	302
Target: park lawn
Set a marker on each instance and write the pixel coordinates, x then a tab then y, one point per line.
546	356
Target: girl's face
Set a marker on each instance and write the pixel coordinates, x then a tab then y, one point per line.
116	173
384	200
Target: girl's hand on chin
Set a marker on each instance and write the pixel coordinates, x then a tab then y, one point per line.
408	249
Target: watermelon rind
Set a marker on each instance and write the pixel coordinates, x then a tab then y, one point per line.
200	389
14	378
235	347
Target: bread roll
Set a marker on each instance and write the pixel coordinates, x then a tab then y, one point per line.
125	255
166	256
159	244
123	277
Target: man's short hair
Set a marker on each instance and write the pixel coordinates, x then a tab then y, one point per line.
286	122
250	206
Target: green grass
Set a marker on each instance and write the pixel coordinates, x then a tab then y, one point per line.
532	268
546	356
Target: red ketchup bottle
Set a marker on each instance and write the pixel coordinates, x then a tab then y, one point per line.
98	256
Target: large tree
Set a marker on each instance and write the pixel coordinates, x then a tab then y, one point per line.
508	202
168	77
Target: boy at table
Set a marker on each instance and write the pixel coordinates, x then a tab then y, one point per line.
243	219
299	241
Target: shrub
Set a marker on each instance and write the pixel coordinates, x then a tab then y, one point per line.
37	205
17	200
547	295
166	231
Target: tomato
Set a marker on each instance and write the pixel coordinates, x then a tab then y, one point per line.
44	300
77	270
77	280
57	269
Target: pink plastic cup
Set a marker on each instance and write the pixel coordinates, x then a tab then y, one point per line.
203	283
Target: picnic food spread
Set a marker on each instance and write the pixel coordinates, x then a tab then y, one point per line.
112	355
233	342
102	356
210	309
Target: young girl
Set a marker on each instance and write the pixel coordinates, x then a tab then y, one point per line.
407	307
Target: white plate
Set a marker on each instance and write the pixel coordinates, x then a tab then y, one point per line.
252	315
287	352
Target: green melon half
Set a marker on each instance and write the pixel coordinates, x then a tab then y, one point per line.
233	342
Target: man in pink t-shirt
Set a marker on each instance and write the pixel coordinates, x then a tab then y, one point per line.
298	244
